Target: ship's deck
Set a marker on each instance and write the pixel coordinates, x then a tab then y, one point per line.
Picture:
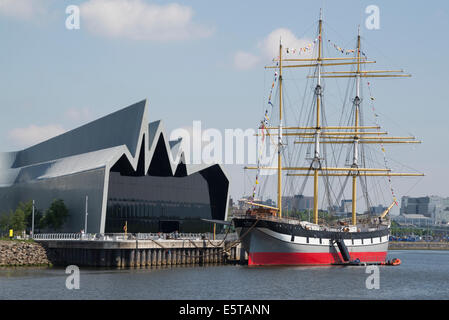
364	225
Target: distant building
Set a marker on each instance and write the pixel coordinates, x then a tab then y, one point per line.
269	202
244	205
231	203
346	206
420	205
434	207
413	219
287	202
303	202
343	210
441	215
377	210
297	202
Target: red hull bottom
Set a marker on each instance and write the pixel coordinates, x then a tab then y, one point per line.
295	258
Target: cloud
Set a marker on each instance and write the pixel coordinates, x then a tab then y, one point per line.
268	49
33	134
245	60
270	45
137	20
23	9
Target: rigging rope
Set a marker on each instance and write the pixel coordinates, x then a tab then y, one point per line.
376	119
264	131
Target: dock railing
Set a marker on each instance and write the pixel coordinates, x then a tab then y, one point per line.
129	236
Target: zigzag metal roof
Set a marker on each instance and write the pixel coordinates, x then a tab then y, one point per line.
100	143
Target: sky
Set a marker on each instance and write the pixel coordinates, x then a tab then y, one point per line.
204	60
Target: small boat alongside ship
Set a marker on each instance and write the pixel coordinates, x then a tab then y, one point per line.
273	238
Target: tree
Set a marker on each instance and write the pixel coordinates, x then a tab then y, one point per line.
17	222
5	221
27	207
39	222
56	215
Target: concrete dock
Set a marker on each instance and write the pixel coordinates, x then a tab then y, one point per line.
117	252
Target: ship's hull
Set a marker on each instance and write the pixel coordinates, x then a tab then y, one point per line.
274	243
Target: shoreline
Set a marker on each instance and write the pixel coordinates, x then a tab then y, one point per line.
17	253
418	245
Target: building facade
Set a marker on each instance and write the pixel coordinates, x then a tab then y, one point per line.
433	207
377	210
128	170
297	202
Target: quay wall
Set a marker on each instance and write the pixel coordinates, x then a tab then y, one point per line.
419	245
142	253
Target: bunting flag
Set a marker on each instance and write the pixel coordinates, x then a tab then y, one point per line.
264	131
376	117
342	50
254	193
261	128
301	50
310	46
266	118
271	90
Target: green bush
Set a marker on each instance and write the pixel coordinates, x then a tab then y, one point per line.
27	207
56	215
18	223
5	221
13	220
22	218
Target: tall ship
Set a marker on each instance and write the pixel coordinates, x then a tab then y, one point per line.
335	156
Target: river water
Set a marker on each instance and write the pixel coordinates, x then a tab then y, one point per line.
422	275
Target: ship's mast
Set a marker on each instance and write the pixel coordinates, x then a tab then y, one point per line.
318	134
355	161
279	200
316	159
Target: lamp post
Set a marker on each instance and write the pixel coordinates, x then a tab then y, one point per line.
85	219
32	222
